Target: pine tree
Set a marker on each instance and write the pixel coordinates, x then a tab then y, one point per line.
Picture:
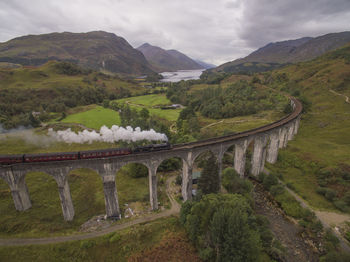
209	180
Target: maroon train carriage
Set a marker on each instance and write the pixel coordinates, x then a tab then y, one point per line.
10	159
104	153
29	158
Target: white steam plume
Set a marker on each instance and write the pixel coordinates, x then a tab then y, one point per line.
109	135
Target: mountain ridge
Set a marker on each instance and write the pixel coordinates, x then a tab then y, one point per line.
96	50
289	51
167	60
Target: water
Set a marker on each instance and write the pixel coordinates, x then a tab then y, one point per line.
181	75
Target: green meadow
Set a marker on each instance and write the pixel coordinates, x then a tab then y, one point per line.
152	103
95	118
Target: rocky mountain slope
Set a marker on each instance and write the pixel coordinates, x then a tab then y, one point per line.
96	50
167	60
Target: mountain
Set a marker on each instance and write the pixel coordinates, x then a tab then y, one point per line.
96	50
167	60
291	51
204	64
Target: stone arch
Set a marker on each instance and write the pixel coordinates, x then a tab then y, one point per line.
134	185
169	165
46	193
86	188
201	158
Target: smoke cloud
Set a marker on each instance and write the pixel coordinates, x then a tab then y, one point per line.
12	130
109	135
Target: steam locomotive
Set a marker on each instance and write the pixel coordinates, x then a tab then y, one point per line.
30	158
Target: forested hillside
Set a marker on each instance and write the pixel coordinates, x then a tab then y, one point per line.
53	88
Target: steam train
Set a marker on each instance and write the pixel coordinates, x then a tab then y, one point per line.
30	158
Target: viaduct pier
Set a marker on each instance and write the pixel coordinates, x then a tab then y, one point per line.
267	141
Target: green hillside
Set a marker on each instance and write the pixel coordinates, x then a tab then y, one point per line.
96	50
53	88
317	162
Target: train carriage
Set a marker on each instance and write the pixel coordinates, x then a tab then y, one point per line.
104	153
10	159
29	158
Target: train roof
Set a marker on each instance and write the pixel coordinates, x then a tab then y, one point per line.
6	156
51	154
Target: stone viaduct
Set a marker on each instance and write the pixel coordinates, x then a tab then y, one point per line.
267	141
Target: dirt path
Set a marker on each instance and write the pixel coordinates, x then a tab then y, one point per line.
327	218
174	210
336	93
283	229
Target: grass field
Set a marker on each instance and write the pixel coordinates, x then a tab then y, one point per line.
45	217
95	118
323	139
218	127
151	102
157	239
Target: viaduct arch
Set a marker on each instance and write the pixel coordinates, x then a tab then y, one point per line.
267	141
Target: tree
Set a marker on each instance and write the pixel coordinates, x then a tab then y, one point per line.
222	227
209	180
144	113
105	103
137	170
233	183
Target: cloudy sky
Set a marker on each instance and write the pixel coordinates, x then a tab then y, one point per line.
215	31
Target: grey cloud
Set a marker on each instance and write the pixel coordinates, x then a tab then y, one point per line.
267	21
214	31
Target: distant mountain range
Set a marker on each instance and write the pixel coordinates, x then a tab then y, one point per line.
96	50
291	51
104	51
169	60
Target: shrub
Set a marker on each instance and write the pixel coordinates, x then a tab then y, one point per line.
346	198
347	236
290	186
331	238
86	244
276	190
321	190
261	177
269	181
105	103
233	183
170	165
341	205
330	194
137	170
178	180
